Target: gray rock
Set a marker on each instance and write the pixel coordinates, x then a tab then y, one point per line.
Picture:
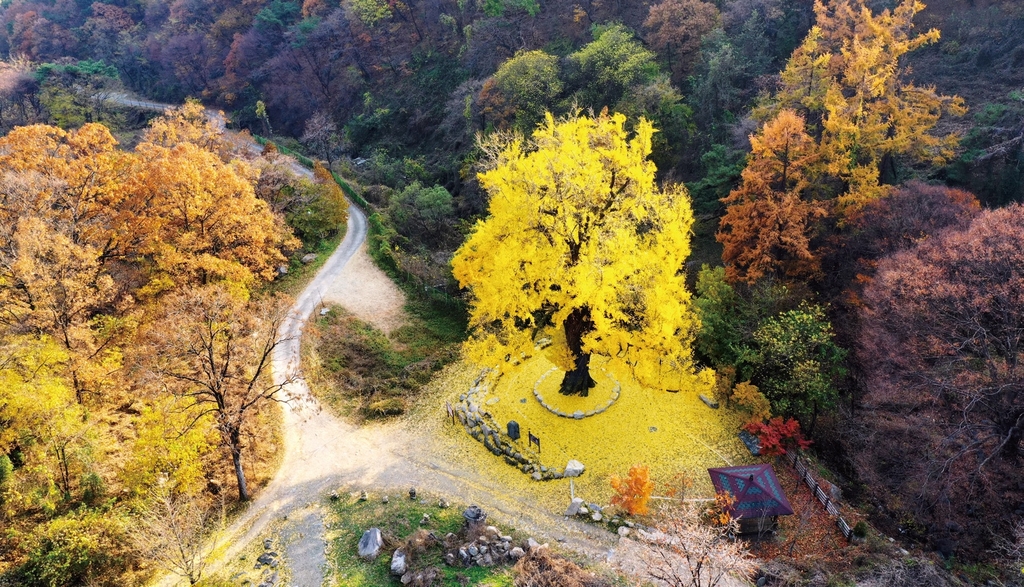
444	504
623	531
308	258
362	496
584	510
265	558
573	468
594	507
385	499
425	520
597	517
516	553
531	544
267	543
370	543
577	415
473	550
488	561
537	476
574	506
399	565
709	402
282	270
449	559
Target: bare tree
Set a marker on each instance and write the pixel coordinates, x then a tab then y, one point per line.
215	349
321	136
688	552
170	532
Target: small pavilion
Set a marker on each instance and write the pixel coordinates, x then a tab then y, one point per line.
759	499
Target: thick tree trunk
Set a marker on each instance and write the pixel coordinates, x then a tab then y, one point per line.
236	458
578	381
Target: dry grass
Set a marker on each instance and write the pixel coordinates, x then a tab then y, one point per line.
541	568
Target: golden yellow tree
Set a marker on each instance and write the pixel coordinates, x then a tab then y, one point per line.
771	217
847	80
581	247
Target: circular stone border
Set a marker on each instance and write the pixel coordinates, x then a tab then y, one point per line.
578	414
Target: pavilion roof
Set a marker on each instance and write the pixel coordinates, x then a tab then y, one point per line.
755	488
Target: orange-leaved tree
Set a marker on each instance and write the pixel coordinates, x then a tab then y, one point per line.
771	218
634	491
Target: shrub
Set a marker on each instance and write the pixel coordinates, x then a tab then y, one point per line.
393	406
633	492
751	400
777	436
88	548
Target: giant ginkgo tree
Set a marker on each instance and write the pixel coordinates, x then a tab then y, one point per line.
581	248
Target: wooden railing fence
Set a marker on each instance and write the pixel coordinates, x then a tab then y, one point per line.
826	500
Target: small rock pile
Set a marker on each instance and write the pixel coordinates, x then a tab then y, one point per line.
486	550
608	515
268	561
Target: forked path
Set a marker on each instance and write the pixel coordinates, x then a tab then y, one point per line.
323	453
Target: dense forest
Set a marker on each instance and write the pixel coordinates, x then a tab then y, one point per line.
856	169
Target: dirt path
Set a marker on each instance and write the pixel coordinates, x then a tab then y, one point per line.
324	454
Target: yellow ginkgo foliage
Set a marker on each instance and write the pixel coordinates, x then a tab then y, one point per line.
581	248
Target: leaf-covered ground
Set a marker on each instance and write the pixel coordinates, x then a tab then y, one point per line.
672	433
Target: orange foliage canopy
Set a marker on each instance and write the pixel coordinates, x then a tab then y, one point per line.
633	492
770	221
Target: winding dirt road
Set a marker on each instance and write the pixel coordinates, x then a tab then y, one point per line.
323	453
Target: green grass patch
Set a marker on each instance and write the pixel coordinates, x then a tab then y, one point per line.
359	371
398	520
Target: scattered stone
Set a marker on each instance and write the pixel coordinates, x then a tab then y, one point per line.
594	507
325	311
370	543
424	521
267	542
488	561
443	504
334	496
537	476
516	553
652	429
522	401
709	402
282	270
473	550
584	510
573	468
492	401
597	517
574	506
449	559
265	559
623	531
363	496
398	563
385	499
531	544
577	415
308	258
505	538
412	493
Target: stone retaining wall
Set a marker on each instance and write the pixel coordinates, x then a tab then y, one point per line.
482	426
